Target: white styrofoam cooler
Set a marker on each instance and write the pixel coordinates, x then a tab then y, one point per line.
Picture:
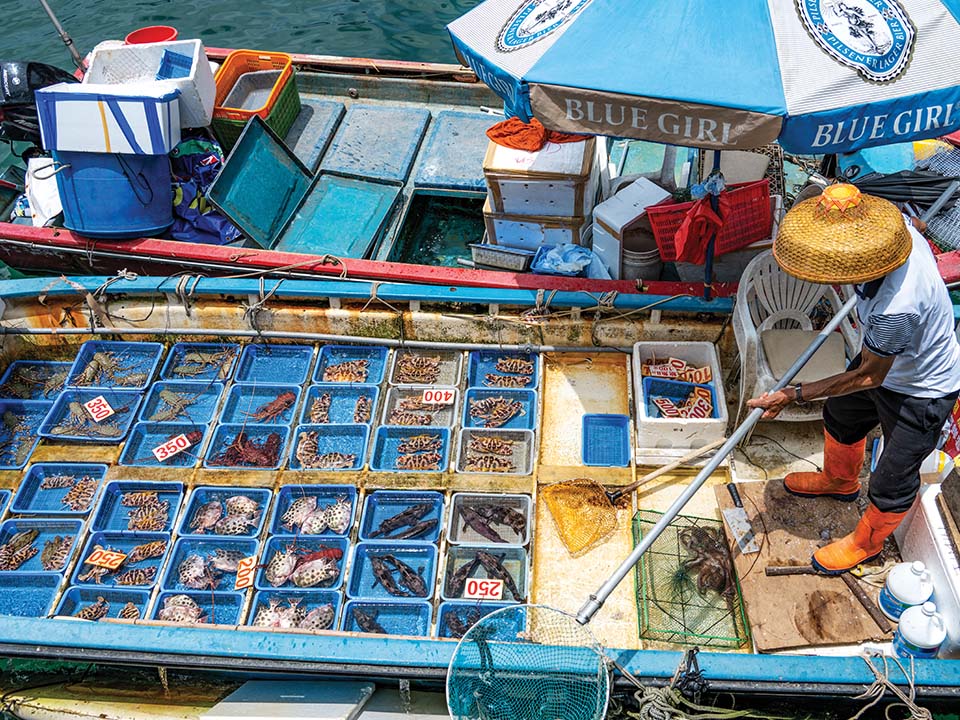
559	180
133	119
615	216
139	63
658	432
529	232
923	536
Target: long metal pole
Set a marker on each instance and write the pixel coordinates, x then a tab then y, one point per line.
67	40
596	601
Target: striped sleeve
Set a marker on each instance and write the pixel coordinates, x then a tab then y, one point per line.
890	334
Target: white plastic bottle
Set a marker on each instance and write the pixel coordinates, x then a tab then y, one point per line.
921	632
907	584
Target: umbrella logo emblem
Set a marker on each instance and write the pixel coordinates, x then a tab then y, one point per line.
874	37
535	20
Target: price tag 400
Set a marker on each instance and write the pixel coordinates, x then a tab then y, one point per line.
98	408
246	569
171	447
109	559
438	396
479	589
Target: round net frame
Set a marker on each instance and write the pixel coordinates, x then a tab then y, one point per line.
528	662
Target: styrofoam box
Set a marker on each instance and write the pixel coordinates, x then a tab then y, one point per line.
529	232
678	432
615	216
923	536
130	63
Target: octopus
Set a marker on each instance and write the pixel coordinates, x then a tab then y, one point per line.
709	559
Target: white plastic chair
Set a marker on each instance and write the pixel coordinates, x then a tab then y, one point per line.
770	299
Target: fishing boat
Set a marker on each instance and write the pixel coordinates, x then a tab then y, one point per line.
228	403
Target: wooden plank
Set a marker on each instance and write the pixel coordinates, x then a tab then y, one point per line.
953	529
799	610
950	493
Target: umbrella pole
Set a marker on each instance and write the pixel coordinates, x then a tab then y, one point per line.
708	265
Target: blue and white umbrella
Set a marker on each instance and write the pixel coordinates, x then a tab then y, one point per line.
820	76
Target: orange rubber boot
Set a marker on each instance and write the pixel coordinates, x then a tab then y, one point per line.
840	478
862	545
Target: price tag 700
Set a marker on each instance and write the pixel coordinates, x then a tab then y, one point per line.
171	447
98	408
438	396
479	589
109	559
246	569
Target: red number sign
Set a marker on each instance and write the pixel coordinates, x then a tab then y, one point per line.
479	589
246	569
98	408
109	559
171	447
436	396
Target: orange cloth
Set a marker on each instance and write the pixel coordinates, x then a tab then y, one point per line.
516	134
694	232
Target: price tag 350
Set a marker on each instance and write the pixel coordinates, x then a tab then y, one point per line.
110	559
246	569
171	447
480	589
438	396
98	408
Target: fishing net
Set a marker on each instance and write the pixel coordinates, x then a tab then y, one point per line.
528	662
581	511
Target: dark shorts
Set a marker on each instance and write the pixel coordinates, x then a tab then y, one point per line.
911	429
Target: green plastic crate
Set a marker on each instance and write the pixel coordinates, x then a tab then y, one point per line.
280	118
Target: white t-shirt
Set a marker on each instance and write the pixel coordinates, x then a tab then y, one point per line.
911	318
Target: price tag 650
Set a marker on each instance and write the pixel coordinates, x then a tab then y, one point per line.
438	396
478	589
171	447
98	408
109	559
246	569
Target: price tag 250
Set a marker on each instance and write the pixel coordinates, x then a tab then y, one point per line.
479	589
438	396
98	408
109	559
246	569
171	447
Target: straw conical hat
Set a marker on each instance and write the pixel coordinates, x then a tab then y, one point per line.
841	237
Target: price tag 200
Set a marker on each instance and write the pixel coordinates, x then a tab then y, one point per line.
110	559
480	589
438	396
171	447
98	408
246	569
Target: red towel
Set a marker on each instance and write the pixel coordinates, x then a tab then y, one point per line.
516	134
698	226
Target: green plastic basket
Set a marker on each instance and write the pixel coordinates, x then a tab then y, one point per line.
280	118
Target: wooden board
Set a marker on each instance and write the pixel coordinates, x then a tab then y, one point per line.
953	530
950	494
800	610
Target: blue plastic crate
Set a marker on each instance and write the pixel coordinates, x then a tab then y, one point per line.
307	599
246	401
421	558
225	435
394	618
346	439
204	362
343	403
174	65
28	594
384	504
123	542
525	421
326	496
17	442
146	436
219	608
513	559
675	390
266	363
77	598
48	529
112	515
484	362
605	440
386	447
331	355
31	499
5	496
26	379
195	402
205	547
303	546
469	612
62	425
219	493
137	362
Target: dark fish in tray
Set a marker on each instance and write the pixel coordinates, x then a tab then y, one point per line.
458	626
503	515
414	531
403	518
367	622
479	524
409	578
383	574
457	581
495	569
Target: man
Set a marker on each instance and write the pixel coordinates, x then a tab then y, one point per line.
906	379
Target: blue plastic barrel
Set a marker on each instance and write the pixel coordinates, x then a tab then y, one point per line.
115	196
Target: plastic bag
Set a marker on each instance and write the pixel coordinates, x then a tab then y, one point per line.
565	259
43	196
196	162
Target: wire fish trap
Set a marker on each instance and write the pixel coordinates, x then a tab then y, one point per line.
688	590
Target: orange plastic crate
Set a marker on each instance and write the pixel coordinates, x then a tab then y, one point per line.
243	61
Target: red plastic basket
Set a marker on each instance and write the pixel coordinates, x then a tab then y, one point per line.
747	221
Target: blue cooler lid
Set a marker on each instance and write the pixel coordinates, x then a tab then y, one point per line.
452	155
